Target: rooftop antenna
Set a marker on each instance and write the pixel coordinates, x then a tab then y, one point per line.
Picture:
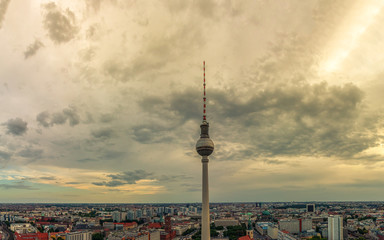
204	98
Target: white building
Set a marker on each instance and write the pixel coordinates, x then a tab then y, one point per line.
272	231
225	222
295	225
116	216
335	227
283	235
22	228
311	208
78	236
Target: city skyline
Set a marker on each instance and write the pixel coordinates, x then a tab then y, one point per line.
101	100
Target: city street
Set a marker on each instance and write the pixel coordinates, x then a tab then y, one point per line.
7	234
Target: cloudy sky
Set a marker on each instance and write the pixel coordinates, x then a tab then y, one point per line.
101	100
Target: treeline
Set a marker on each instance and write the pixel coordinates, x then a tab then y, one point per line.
234	232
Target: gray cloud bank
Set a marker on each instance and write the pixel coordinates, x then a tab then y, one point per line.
3	9
47	119
282	120
33	48
60	24
17	186
129	177
16	126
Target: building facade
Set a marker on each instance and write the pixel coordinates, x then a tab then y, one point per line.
335	227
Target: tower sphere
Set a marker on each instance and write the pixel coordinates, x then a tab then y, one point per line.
204	145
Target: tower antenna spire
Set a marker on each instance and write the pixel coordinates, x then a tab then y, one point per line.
204	98
204	148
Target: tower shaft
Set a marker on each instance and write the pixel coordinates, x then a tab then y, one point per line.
204	148
205	227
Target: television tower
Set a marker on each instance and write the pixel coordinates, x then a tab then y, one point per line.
204	148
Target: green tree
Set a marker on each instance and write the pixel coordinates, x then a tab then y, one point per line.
318	238
234	232
189	231
97	236
362	231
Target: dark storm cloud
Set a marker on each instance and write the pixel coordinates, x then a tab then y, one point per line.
129	177
4	158
60	24
289	119
187	104
70	114
58	118
31	153
43	119
301	120
73	183
151	133
20	186
112	183
85	160
16	126
3	10
103	133
173	178
111	154
5	155
179	107
47	178
33	48
106	118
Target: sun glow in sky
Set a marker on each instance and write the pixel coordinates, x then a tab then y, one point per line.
101	100
347	37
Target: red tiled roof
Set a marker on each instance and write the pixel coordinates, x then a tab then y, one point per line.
44	223
32	236
128	224
244	238
154	225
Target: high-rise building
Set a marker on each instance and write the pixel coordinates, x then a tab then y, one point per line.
335	227
149	212
250	228
131	215
139	213
78	236
204	148
295	225
160	210
311	208
116	216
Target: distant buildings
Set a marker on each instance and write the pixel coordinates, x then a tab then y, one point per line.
22	228
311	208
31	236
116	216
335	227
78	236
295	225
225	222
285	235
262	227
